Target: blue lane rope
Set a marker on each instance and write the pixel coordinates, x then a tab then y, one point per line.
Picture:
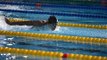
54	13
58	5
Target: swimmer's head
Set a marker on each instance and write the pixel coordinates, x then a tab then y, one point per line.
52	21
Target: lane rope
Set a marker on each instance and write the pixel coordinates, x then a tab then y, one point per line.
57	5
67	24
56	37
55	13
50	54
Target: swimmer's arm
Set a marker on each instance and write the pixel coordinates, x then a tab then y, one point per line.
39	24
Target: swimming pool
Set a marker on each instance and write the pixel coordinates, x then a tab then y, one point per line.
79	17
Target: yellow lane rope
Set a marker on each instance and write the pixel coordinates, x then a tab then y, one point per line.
56	37
68	24
50	54
83	25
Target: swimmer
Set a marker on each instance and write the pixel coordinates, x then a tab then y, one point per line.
52	21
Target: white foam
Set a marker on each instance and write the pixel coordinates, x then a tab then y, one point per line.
3	25
10	7
57	28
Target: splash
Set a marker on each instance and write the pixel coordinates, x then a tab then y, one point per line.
10	7
3	25
57	28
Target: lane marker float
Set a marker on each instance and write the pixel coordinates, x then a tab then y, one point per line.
50	54
55	37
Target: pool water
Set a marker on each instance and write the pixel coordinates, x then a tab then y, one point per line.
59	46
